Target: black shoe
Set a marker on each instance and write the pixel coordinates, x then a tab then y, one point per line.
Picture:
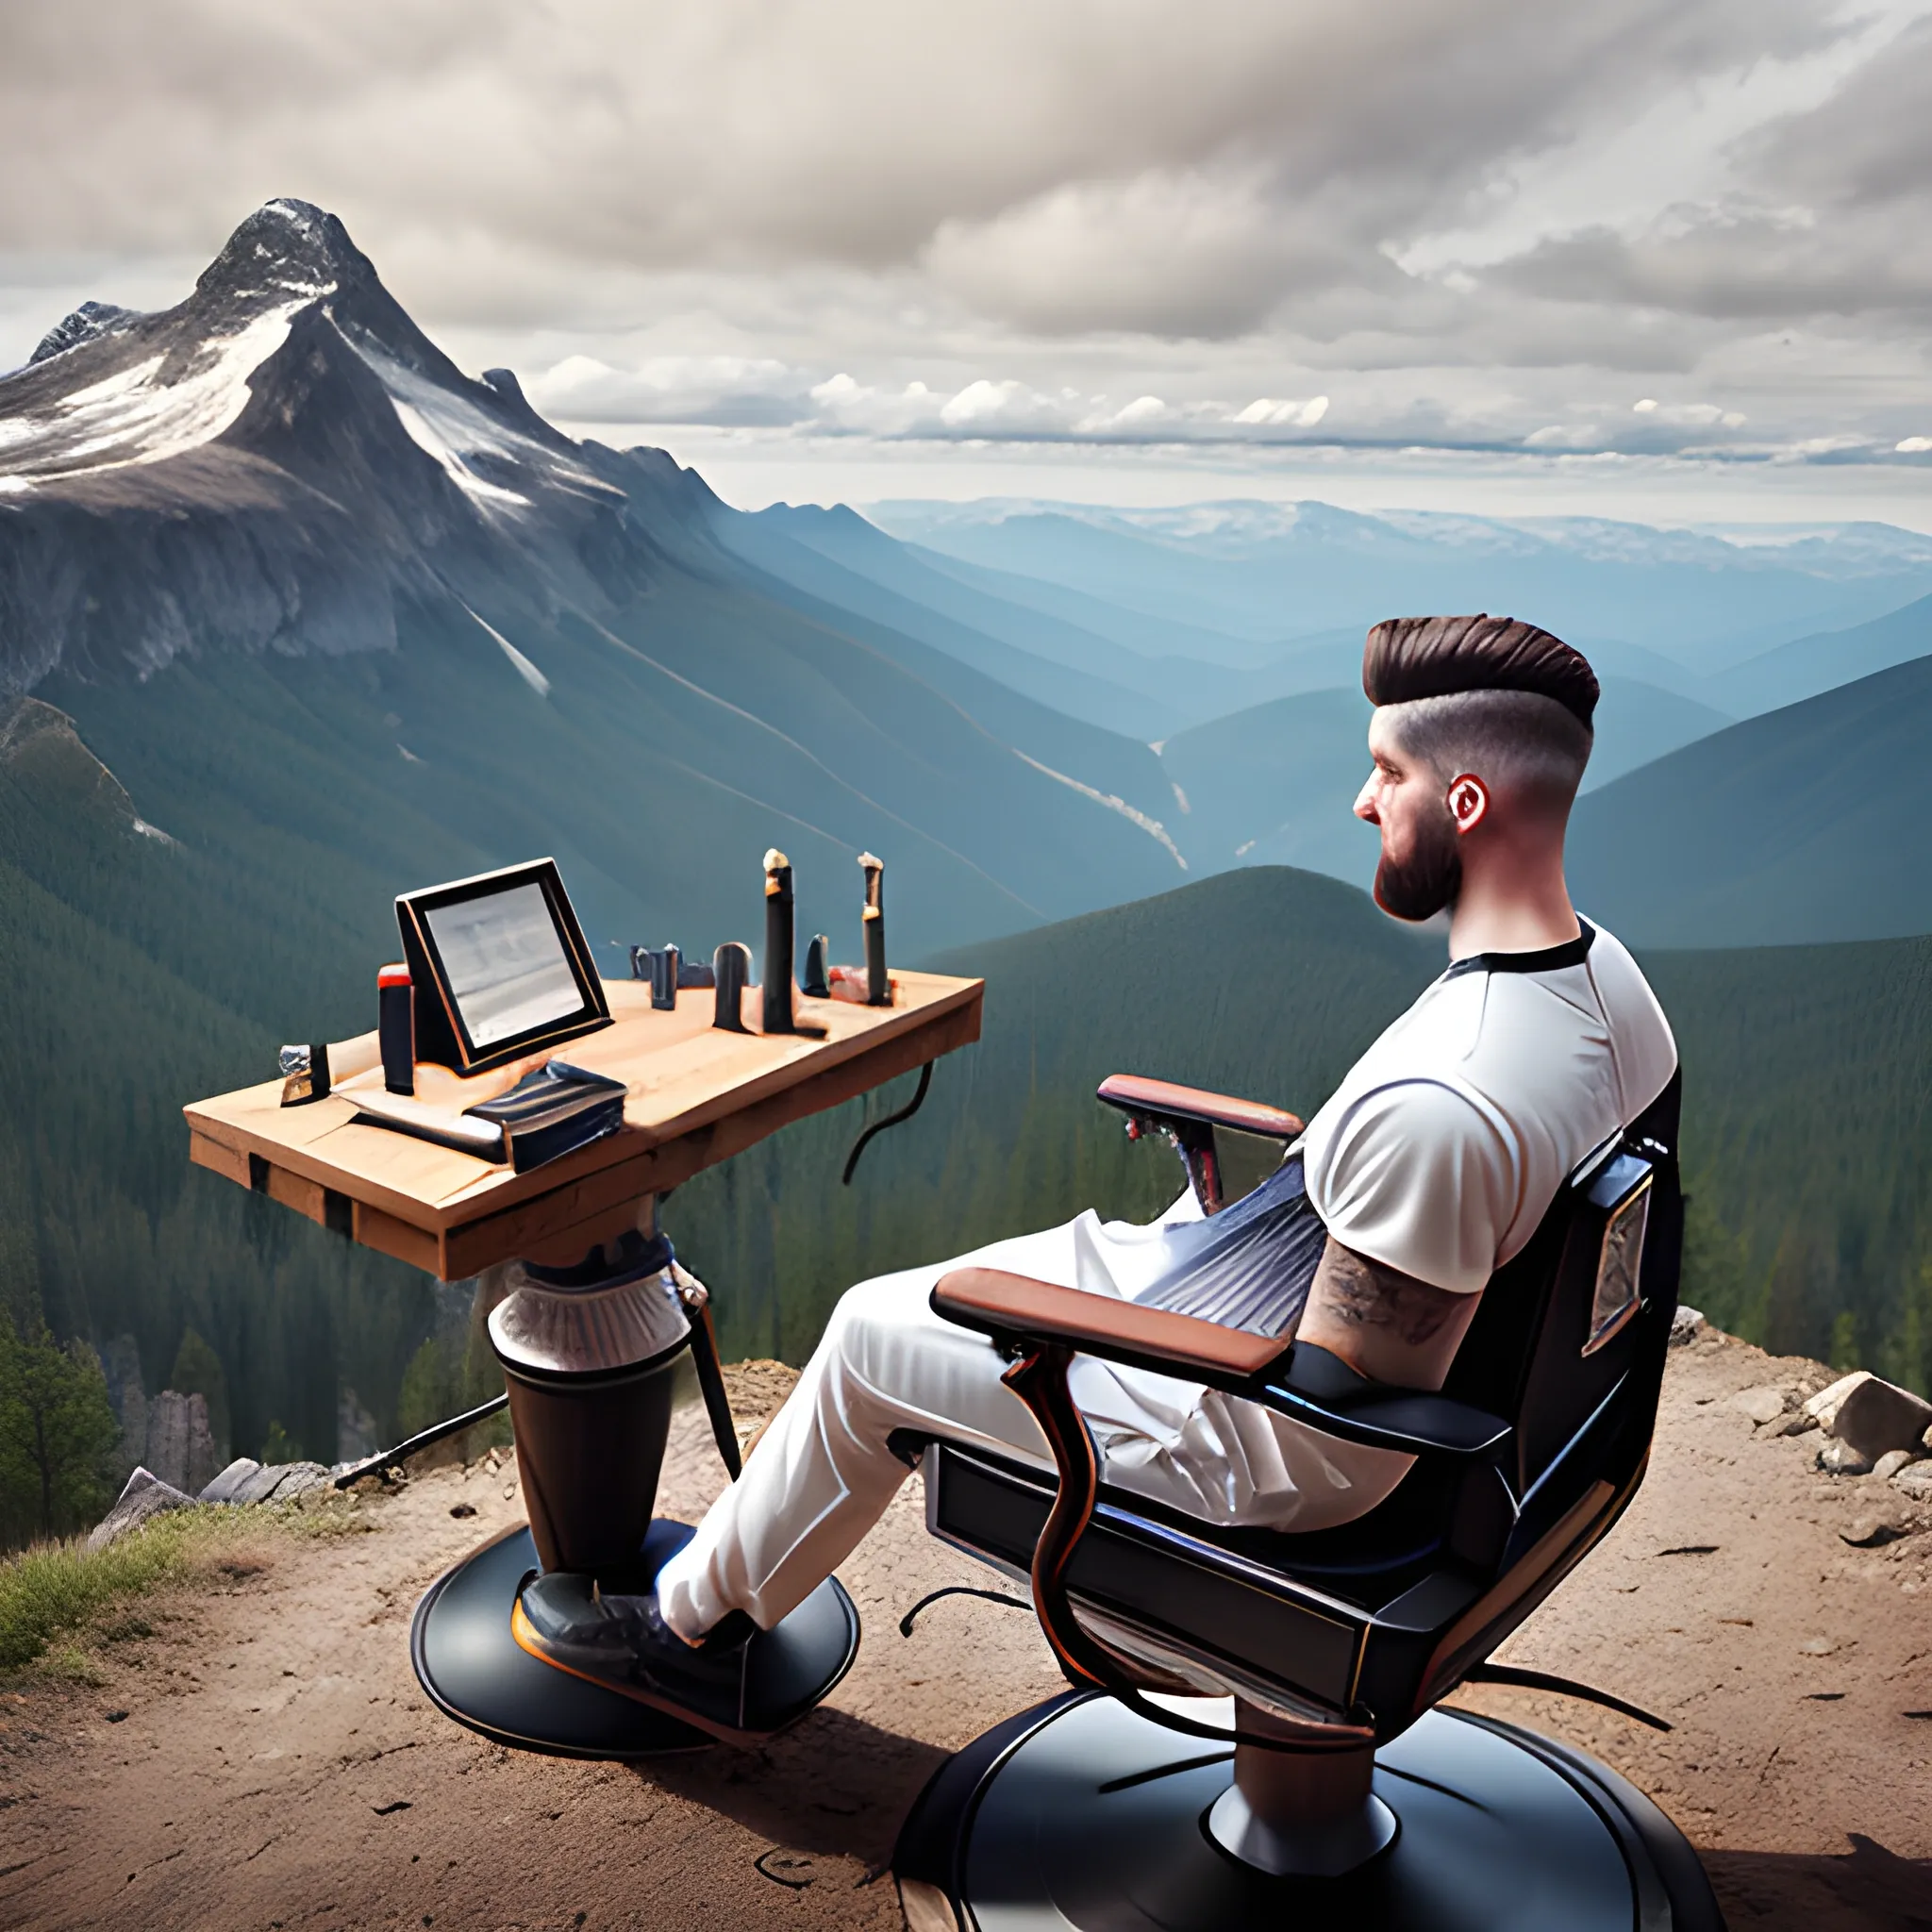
623	1643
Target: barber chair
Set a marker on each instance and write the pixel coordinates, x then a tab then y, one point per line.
1323	1787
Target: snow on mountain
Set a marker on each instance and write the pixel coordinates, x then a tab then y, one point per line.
144	411
278	461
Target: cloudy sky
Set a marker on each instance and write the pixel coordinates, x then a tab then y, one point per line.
1663	258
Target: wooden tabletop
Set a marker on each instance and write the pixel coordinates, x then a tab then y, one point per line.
698	1095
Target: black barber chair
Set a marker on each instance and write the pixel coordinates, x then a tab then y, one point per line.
1337	1794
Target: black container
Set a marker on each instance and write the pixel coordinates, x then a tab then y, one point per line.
664	968
817	985
731	974
397	1029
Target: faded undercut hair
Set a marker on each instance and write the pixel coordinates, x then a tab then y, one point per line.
1492	695
1516	741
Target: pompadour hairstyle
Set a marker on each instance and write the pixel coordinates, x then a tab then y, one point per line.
1410	657
1487	695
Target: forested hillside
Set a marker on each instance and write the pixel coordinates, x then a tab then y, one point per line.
1807	1132
131	986
140	984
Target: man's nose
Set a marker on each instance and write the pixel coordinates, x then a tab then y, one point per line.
1365	804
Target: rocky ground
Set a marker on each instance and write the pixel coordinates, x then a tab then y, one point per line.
266	1759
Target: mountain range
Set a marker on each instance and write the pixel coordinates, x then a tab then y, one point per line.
1652	603
294	615
289	568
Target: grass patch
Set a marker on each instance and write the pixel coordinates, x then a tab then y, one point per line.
56	1589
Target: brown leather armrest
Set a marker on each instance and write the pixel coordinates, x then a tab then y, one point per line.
1133	1094
999	1304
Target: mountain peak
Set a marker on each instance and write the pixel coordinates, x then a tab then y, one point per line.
90	320
285	247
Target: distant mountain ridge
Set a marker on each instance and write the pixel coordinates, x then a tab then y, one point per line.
1276	571
1810	665
1803	826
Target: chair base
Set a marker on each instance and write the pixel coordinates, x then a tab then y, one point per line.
1078	1814
475	1672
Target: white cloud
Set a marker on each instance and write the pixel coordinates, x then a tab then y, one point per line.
1131	224
671	389
1267	410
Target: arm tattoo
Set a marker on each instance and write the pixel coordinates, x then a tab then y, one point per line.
1366	1294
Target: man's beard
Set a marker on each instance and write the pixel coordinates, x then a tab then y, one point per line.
1428	880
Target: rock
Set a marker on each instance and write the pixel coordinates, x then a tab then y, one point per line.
1842	1458
1686	1324
294	1479
246	1481
145	1495
1914	1482
1818	1646
1892	1461
180	1446
1794	1423
225	1487
1874	1415
1765	1404
1823	1407
1874	1532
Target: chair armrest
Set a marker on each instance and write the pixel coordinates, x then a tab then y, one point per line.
1313	1387
1164	1100
1321	1391
1017	1309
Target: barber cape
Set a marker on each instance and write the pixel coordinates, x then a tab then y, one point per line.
1194	1447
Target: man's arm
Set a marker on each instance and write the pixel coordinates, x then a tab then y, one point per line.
1385	1324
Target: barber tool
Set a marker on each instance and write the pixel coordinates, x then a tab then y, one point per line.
397	1029
778	942
640	957
664	967
878	983
305	1073
731	971
815	985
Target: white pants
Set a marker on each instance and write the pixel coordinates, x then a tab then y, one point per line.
822	1474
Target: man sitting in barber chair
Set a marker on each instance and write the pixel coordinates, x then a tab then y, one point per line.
1427	1168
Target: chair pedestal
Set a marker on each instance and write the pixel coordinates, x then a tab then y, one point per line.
1080	1816
1298	1813
477	1672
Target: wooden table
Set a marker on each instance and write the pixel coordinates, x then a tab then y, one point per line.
698	1095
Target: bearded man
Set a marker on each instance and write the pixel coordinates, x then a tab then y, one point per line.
1427	1168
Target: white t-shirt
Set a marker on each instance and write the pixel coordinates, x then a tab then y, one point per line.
1445	1144
1438	1155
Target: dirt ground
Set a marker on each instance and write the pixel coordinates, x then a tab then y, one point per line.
265	1757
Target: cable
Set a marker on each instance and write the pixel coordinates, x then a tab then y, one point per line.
932	1596
891	1119
1563	1687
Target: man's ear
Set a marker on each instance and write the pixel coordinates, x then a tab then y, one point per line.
1468	801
